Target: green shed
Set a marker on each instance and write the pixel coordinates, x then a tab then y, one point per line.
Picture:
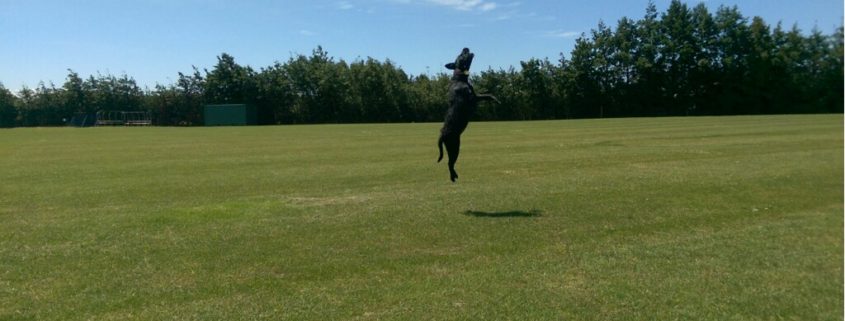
230	114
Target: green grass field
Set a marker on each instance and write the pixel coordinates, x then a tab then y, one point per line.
711	218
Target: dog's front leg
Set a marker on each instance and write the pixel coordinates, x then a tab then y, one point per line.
487	97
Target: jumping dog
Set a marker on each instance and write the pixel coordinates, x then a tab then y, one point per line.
462	104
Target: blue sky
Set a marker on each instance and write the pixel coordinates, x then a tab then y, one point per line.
152	40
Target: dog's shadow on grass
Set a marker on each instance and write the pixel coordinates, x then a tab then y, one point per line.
504	214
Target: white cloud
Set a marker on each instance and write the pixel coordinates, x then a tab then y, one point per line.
561	34
307	33
344	5
487	6
509	12
504	16
464	5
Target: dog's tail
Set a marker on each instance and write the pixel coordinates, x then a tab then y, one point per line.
440	145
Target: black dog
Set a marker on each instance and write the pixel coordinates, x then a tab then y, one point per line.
462	104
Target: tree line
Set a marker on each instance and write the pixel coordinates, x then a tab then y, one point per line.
684	61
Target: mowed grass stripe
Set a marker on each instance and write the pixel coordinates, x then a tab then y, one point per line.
645	218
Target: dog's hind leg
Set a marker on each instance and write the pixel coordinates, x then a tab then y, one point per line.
453	147
440	146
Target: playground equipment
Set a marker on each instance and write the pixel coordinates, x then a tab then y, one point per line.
123	118
137	118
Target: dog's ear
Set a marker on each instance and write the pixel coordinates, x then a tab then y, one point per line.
450	66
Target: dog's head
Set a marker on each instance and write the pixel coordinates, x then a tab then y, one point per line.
462	63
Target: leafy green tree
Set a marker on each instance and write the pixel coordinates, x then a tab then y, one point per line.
832	82
45	106
163	103
75	98
759	83
677	58
190	89
107	92
505	85
541	97
563	79
595	78
380	91
427	97
731	62
646	93
623	64
320	87
703	76
584	84
8	111
230	82
822	76
275	95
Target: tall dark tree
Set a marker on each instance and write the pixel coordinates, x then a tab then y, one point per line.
831	79
623	64
45	106
703	77
427	97
275	95
731	62
758	82
163	103
108	92
320	87
190	89
230	82
8	111
677	58
647	93
379	91
76	100
541	98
